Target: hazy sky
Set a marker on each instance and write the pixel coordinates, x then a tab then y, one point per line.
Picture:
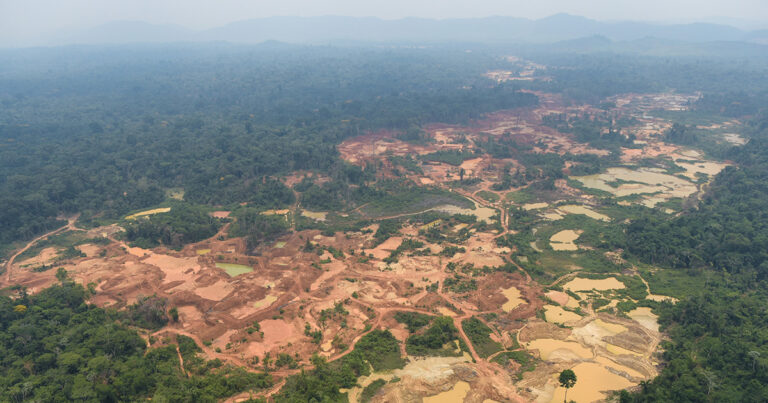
25	20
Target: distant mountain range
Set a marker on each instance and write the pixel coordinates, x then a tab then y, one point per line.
492	30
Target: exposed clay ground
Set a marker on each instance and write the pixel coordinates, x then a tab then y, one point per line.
285	292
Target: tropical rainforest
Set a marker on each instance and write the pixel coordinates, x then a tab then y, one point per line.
98	133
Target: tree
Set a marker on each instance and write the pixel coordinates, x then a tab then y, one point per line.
567	379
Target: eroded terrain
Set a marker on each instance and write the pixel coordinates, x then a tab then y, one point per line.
547	305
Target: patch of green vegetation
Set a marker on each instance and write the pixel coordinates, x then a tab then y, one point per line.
527	362
66	240
102	357
451	157
677	283
381	349
489	196
479	334
413	320
184	223
460	284
257	227
521	196
433	340
408	162
410	200
635	288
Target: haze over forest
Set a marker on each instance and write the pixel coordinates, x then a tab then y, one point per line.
414	201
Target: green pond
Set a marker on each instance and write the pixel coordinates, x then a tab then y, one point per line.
234	269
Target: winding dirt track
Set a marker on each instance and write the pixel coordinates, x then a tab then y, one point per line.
9	265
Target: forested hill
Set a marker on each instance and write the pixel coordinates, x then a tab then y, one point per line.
719	345
107	130
54	348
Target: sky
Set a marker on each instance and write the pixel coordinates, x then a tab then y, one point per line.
27	20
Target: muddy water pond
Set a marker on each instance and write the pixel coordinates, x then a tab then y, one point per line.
234	269
455	395
638	181
551	349
563	240
592	378
556	314
585	284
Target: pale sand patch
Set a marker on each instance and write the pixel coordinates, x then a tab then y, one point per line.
88	249
708	168
455	395
661	298
247	310
470	165
281	261
276	332
426	181
148	212
45	256
645	318
174	268
140	252
315	215
215	292
585	284
481	259
594	332
552	216
534	206
592	380
331	270
563	240
556	314
221	341
616	350
482	213
383	250
189	314
613	328
430	369
220	214
584	210
513	299
558	297
734	139
445	311
608	363
276	212
559	349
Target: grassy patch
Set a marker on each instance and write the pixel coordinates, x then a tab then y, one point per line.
381	350
433	340
413	320
414	200
479	334
489	196
452	157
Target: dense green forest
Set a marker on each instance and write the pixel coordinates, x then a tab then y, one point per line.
56	347
104	131
184	224
719	344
